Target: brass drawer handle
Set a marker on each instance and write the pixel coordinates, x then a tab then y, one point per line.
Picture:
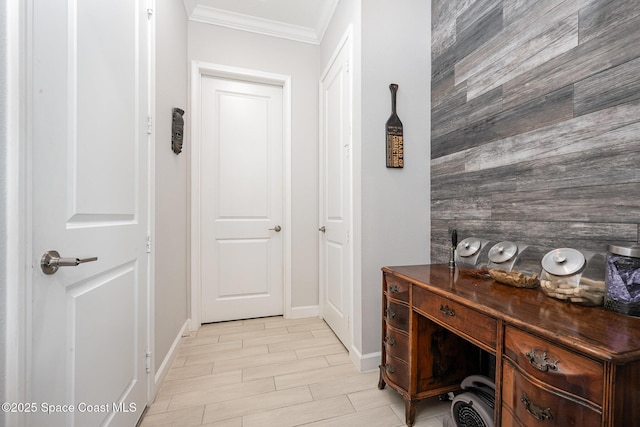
540	361
394	289
390	369
535	410
389	340
390	313
447	311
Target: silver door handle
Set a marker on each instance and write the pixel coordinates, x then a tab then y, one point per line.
323	229
277	228
51	261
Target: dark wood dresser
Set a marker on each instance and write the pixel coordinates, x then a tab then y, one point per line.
556	364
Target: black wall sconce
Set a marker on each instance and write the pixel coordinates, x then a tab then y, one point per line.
177	130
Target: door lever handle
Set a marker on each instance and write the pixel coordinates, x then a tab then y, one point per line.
51	261
277	228
323	229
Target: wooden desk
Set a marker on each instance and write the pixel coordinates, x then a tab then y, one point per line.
556	364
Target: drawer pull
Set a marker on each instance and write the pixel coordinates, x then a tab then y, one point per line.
390	313
540	361
390	340
390	369
444	309
537	412
394	289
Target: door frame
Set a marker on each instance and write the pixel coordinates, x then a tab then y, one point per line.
199	70
17	254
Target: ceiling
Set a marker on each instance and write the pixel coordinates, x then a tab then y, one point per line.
300	20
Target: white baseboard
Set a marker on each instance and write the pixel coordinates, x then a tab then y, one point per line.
162	371
302	312
367	362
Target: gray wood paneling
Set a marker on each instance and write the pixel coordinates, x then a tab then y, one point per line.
535	122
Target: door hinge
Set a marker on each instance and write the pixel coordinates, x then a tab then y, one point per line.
150	7
347	66
148	243
348	236
149	125
148	361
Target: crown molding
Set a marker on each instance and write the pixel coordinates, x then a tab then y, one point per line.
238	21
210	15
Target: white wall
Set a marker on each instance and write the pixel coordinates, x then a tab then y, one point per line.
395	202
170	242
391	206
219	45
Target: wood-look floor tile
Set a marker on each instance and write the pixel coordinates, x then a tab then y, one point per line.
159	405
181	418
254	360
303	343
252	405
239	336
229	328
314	376
371	397
274	339
221	393
347	385
293	322
204	340
275	372
312	326
200	383
176	373
233	422
209	348
226	355
321	350
296	415
264	371
338	358
382	416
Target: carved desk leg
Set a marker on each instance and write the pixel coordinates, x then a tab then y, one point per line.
381	383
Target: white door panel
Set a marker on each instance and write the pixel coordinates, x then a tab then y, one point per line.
241	199
90	198
335	195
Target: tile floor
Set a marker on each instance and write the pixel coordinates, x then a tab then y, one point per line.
272	372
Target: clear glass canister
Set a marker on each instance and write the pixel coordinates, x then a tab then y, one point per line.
472	256
520	269
574	276
503	255
623	279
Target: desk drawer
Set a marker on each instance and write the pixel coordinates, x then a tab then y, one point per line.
396	344
397	315
398	372
525	404
476	326
396	287
555	365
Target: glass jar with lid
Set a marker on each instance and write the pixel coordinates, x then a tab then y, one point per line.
472	256
574	276
623	279
503	255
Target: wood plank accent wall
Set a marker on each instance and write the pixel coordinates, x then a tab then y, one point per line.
535	121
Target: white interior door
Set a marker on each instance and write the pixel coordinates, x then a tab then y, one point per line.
241	199
90	99
335	195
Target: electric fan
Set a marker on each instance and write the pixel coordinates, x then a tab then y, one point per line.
474	406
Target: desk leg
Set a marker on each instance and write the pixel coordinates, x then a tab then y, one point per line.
381	383
410	412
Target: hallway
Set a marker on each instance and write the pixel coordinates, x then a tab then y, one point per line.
275	372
